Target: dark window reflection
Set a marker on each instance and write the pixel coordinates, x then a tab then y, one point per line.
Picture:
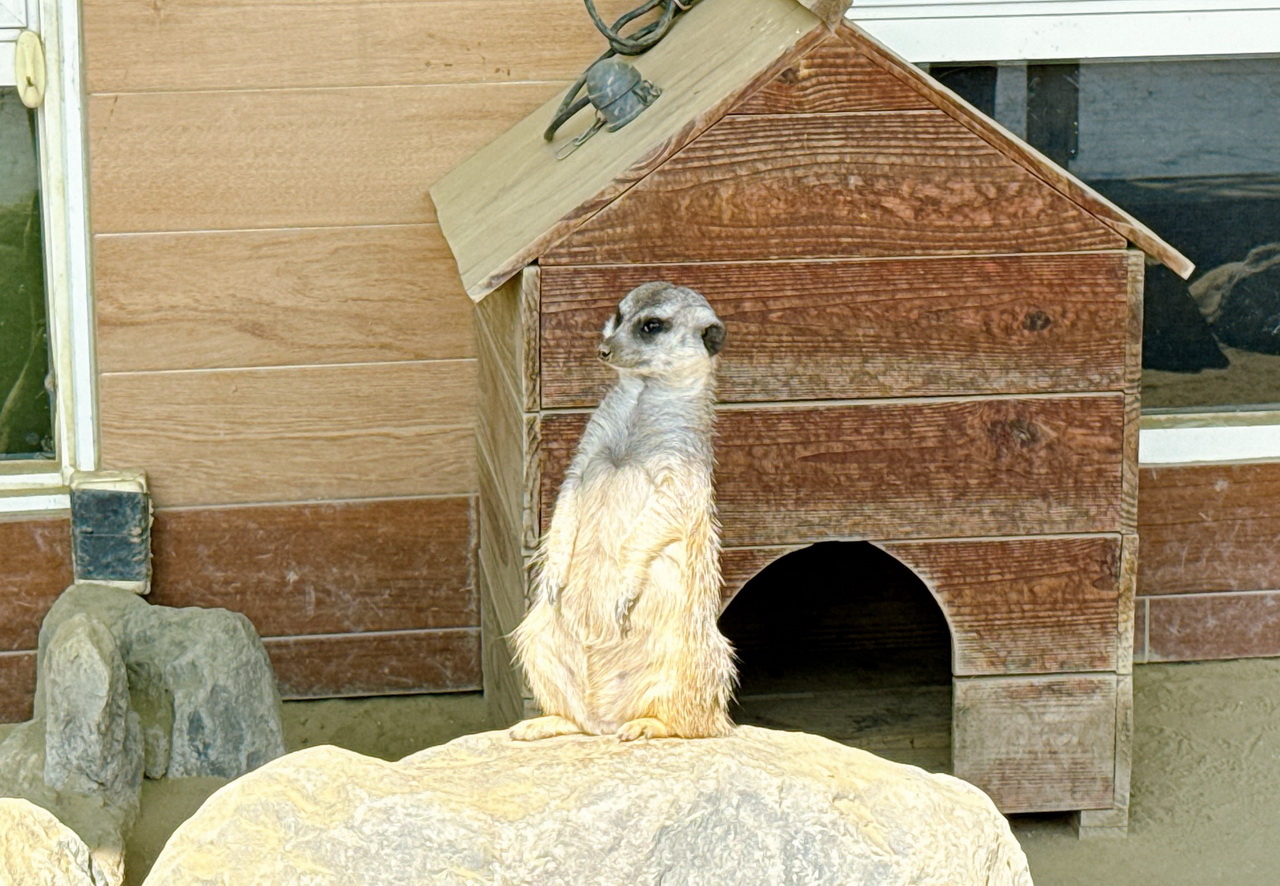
26	408
1190	148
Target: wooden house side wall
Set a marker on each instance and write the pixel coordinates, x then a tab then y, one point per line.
894	382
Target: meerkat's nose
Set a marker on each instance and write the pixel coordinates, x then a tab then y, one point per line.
604	351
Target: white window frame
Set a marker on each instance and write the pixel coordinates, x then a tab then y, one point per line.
997	30
1011	31
41	486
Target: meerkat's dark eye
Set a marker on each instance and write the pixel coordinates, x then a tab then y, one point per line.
652	326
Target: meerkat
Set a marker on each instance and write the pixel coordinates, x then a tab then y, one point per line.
621	637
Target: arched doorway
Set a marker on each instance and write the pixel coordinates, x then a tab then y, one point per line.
843	640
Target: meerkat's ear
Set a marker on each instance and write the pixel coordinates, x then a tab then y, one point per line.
713	338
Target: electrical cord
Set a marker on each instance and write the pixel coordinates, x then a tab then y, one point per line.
639	41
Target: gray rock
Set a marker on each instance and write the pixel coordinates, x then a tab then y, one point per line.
755	807
199	680
38	850
93	740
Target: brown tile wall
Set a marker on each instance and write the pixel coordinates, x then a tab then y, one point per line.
351	598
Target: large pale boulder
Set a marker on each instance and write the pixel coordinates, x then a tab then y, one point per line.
756	807
82	758
39	850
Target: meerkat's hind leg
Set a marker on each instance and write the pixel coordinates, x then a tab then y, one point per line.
644	727
543	727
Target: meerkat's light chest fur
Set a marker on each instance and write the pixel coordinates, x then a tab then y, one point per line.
622	637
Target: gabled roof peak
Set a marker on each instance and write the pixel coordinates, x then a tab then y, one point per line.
513	200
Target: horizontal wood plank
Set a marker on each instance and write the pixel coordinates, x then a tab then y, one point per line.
1020	606
325	568
294	434
278	298
1017	150
1209	627
833	78
354	665
133	45
1209	527
901	470
290	158
856	329
833	186
1037	744
35	567
17	686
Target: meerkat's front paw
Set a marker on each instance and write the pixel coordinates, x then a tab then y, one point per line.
622	613
552	578
644	727
543	727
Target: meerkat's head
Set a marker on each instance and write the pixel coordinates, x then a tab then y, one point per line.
662	329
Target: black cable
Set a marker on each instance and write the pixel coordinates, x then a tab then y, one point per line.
636	43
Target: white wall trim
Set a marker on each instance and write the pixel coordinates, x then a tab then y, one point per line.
28	487
1165	446
996	30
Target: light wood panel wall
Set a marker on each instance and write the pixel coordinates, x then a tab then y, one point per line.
280	322
259	178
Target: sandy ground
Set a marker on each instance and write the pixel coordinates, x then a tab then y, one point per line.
1251	381
1206	780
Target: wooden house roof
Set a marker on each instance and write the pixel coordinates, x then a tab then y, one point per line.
512	201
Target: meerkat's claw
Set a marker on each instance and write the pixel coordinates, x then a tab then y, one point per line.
543	727
645	727
552	592
623	613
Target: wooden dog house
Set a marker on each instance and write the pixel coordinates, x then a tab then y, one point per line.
934	340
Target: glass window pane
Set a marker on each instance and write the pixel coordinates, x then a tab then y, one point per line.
1190	147
26	402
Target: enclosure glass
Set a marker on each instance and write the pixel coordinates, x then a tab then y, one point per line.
1190	148
26	401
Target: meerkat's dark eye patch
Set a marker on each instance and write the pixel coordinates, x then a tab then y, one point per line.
652	326
617	319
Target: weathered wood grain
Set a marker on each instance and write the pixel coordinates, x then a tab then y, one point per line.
854	329
287	158
278	298
504	688
294	434
1018	151
322	568
17	686
137	46
830	11
832	78
35	567
833	186
505	204
1126	604
1115	821
1208	627
901	470
1209	527
392	663
1037	743
1014	606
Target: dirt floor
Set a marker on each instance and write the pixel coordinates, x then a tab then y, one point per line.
1206	779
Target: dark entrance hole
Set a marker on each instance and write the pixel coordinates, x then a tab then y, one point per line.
842	640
